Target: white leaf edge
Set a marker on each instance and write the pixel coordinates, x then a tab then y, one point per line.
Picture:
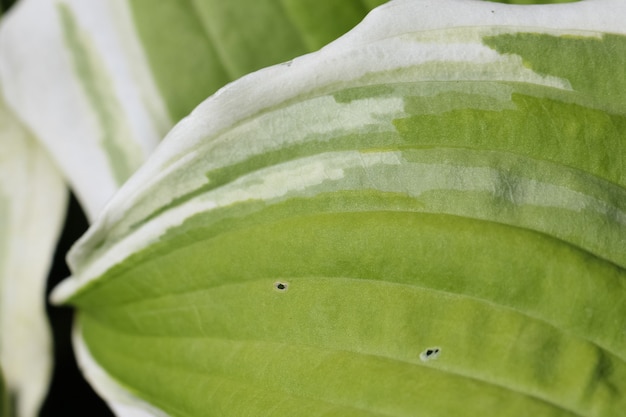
118	398
41	87
37	197
371	46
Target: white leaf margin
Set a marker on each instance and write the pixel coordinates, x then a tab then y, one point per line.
34	199
41	86
119	399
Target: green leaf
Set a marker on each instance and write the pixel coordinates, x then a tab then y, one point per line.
214	42
426	216
32	208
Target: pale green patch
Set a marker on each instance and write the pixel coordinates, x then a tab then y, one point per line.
123	154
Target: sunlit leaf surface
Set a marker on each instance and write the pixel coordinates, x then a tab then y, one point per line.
426	217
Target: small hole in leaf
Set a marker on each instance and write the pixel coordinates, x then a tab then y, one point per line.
281	286
430	354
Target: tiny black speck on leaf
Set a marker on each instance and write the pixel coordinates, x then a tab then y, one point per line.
429	354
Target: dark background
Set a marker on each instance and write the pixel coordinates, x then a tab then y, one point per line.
69	395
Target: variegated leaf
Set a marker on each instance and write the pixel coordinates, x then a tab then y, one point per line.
427	216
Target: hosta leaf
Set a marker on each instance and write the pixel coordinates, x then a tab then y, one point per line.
427	216
124	71
32	207
100	82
